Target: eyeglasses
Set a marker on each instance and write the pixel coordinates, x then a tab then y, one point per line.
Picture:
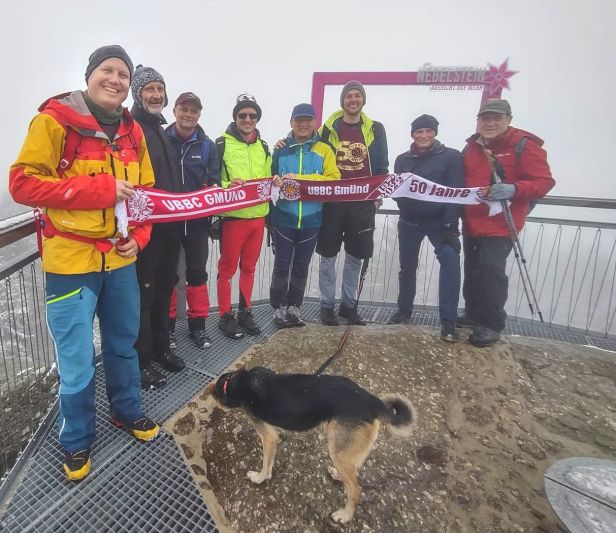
244	116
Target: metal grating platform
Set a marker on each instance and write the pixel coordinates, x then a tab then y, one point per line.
146	486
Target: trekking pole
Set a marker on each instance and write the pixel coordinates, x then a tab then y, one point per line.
347	331
518	253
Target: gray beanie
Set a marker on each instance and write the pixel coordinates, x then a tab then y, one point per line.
143	76
106	52
349	86
424	121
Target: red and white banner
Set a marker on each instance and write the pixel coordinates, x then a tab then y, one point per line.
147	206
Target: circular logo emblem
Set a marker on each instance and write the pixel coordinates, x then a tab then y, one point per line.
140	206
264	189
357	152
289	190
483	193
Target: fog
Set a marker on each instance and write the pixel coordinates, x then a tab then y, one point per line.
562	50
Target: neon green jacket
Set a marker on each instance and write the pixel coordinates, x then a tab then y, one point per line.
239	159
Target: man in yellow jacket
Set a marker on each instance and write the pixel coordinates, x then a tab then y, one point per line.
84	154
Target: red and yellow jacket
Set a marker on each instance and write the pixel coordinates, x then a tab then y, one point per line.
80	198
529	172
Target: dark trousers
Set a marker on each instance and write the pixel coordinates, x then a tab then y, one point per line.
293	252
410	237
197	298
157	267
485	280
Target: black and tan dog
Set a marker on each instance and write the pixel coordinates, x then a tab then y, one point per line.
299	402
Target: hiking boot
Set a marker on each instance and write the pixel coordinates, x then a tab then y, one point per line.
280	318
229	326
295	319
151	378
465	321
77	464
328	317
246	320
199	338
400	317
351	314
448	331
172	340
169	361
143	429
483	337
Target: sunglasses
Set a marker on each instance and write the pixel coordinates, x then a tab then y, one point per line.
244	116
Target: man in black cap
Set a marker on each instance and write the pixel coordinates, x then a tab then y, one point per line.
430	159
243	156
157	264
361	150
196	161
516	157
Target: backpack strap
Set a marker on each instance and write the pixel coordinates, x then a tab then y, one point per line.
72	140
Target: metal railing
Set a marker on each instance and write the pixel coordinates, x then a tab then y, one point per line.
572	266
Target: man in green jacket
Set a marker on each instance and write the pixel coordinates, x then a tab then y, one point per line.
243	156
361	150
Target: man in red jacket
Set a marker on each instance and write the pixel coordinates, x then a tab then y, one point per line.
516	155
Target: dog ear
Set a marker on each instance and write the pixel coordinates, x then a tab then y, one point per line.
240	367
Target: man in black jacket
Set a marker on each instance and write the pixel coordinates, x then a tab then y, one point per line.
196	161
431	160
157	264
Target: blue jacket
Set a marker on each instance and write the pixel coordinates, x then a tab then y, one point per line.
441	165
311	160
196	163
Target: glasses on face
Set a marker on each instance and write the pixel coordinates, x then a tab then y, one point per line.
244	116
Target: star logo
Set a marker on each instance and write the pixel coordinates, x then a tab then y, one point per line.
497	78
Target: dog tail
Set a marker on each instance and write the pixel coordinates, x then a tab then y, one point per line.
400	415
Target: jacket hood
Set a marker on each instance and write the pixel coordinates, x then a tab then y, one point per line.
71	108
232	131
201	136
437	148
141	115
337	115
511	136
290	141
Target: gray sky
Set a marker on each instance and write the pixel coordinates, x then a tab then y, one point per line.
562	49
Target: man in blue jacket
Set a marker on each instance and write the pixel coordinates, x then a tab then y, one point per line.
295	224
431	160
196	161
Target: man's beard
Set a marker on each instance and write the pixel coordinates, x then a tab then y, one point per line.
154	109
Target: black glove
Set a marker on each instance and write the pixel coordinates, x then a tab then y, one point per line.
451	236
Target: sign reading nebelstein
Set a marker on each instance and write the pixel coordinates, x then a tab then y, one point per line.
490	79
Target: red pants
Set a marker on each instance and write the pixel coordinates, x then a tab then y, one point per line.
240	242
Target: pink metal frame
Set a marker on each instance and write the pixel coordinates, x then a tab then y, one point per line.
321	79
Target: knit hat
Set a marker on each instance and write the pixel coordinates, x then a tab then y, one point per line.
106	52
143	76
349	86
246	100
424	121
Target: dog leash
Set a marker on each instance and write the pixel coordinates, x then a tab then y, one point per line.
347	331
